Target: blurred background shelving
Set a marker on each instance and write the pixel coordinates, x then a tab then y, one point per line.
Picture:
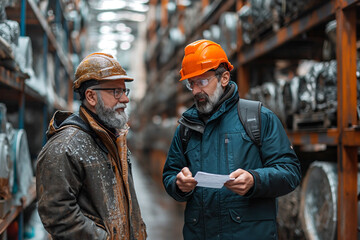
285	54
300	58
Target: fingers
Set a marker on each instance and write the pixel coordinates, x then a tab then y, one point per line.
243	182
236	173
185	181
186	172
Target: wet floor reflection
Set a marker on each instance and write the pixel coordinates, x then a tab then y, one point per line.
162	215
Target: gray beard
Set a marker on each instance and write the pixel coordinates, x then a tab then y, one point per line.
210	101
110	116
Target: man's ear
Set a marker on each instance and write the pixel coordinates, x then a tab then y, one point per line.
91	97
225	78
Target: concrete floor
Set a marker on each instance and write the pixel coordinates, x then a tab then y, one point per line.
162	215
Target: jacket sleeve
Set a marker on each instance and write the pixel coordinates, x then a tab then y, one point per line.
58	181
174	163
281	171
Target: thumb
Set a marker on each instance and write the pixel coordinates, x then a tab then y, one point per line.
236	173
186	172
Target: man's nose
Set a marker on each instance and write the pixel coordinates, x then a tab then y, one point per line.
124	99
196	89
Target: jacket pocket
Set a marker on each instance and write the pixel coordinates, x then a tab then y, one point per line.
240	152
236	148
192	217
102	230
193	228
253	226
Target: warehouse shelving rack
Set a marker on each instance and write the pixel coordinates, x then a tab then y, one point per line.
18	96
346	136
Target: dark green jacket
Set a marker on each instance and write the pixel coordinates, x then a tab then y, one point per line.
221	146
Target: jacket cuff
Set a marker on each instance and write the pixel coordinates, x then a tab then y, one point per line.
180	194
257	184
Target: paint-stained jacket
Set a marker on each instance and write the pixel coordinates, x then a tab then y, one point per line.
84	182
221	146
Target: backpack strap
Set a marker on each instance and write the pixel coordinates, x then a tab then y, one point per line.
250	117
185	134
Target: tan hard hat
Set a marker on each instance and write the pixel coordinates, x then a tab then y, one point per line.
99	66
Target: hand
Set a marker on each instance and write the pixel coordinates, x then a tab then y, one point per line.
185	181
242	183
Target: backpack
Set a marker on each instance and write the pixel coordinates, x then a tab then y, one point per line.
249	115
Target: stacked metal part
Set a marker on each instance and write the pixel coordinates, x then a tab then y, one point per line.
316	97
6	165
329	47
307	89
192	17
289	224
20	157
228	24
15	50
257	18
214	34
305	101
318	206
318	92
292	9
16	172
270	94
171	37
291	99
9	35
326	91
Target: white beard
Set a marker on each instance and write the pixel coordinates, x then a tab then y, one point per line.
110	116
210	101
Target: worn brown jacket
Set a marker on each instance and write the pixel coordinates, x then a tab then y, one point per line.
84	182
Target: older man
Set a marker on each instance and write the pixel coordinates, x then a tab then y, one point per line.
246	207
84	182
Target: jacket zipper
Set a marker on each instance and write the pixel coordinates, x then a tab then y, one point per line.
226	152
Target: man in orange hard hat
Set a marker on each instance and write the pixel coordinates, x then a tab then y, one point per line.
211	138
84	183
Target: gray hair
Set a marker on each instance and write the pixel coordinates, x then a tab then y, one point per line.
220	70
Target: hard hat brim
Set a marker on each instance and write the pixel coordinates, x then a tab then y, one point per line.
119	77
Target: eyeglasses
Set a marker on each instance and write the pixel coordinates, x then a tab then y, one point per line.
201	83
117	92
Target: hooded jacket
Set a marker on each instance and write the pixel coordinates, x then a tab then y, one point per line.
84	182
219	144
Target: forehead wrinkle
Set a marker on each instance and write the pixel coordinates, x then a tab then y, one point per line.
206	75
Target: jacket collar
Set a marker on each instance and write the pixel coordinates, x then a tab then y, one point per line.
87	123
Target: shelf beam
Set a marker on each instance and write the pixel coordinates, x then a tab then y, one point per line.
9	78
351	137
328	137
16	210
346	117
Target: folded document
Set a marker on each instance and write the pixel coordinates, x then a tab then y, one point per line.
211	180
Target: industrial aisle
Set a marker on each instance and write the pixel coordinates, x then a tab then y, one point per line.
162	215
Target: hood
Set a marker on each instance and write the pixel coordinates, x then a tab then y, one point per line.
62	120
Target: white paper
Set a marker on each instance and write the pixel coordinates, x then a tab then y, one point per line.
211	180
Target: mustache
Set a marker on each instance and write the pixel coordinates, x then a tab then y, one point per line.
200	95
119	105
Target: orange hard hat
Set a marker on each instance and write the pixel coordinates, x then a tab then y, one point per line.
99	66
202	56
